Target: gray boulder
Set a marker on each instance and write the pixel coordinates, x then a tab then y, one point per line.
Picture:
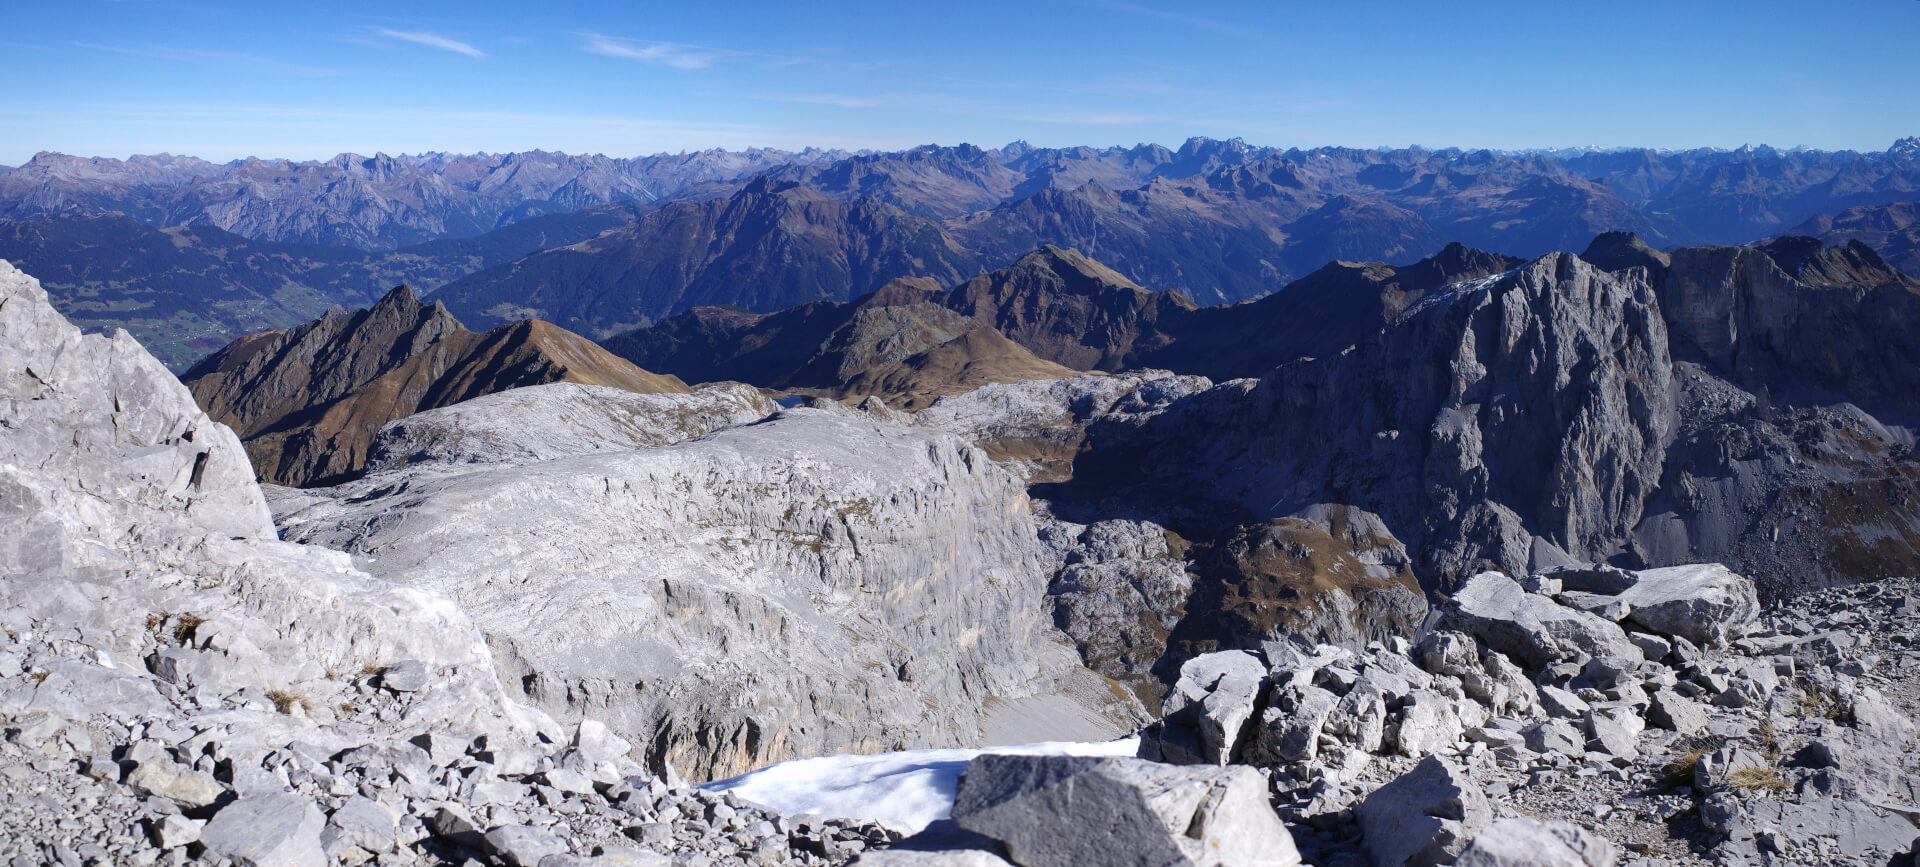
1530	628
1704	603
1215	697
277	830
1058	811
521	846
1290	728
1855	828
1494	608
1429	722
1524	842
1614	731
1671	710
363	823
184	786
1557	736
1425	817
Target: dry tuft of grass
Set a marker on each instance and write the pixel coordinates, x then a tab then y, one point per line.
1819	701
186	627
1760	779
285	701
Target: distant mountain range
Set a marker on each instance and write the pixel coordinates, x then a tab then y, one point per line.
601	245
375	203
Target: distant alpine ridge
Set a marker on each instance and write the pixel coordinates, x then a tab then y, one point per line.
602	245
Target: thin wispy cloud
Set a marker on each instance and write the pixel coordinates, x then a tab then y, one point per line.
431	40
660	53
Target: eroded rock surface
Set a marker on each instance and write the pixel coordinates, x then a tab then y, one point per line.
540	422
822	581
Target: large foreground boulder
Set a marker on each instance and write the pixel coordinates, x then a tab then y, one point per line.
1062	811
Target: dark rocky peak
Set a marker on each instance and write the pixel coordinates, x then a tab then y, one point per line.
1618	251
1907	148
1063	269
1454	263
401	310
1814	263
1091	191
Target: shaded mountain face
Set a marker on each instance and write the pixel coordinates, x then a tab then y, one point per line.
1741	405
900	344
1341	304
1892	230
185	291
1069	309
377	203
307	401
771	246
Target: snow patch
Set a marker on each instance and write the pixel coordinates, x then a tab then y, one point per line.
906	790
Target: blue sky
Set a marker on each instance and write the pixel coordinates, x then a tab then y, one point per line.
223	80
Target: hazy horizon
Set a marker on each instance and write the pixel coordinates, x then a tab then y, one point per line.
1173	146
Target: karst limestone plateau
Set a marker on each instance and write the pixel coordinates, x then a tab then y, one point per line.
542	618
